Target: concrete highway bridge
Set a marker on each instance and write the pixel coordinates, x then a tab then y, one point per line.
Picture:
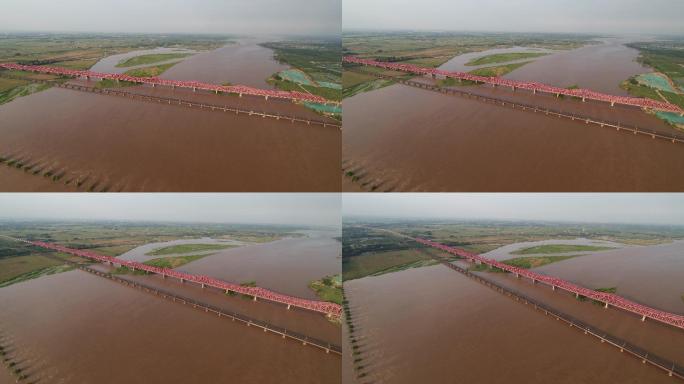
154	81
607	299
329	309
535	87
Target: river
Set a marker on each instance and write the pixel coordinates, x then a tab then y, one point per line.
432	323
75	327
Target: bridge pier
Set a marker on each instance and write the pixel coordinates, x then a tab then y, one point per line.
202	285
553	287
288	306
584	99
612	103
643	318
255	299
606	305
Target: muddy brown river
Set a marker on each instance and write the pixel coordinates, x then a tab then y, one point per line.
122	144
435	325
287	265
400	138
114	143
75	327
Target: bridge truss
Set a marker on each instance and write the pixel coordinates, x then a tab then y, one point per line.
603	297
329	309
535	87
154	81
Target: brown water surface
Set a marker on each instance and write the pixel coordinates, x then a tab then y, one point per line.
244	62
650	275
286	265
435	325
78	328
406	139
132	145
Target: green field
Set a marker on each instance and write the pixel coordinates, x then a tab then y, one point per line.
173	262
151	59
534	262
559	248
187	248
504	57
499	70
328	288
151	71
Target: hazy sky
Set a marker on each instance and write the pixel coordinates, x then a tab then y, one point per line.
586	16
281	208
649	208
167	16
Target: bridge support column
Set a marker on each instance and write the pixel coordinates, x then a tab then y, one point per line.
576	295
255	299
288	306
643	318
182	280
553	287
194	89
534	91
584	99
557	95
612	103
606	305
266	97
202	285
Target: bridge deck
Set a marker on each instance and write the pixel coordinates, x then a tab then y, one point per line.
603	297
329	309
515	84
154	81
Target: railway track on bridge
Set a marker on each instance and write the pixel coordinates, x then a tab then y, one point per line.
198	105
672	369
617	126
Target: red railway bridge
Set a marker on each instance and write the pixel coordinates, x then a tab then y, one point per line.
554	282
535	87
329	309
240	90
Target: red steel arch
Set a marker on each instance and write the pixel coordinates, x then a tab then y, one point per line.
330	309
154	81
527	85
604	297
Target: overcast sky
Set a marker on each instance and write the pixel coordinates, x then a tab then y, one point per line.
584	16
649	208
276	208
312	17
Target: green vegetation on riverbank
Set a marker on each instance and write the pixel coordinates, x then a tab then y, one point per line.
499	70
11	89
606	290
666	57
187	248
328	288
151	59
317	64
535	261
107	83
504	57
151	71
173	262
485	268
320	59
36	273
559	248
